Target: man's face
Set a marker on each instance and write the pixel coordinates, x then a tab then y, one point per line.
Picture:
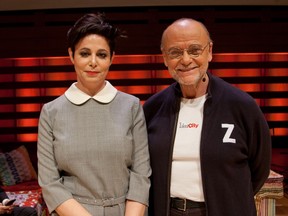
187	51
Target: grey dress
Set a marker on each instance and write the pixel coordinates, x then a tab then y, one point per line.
93	149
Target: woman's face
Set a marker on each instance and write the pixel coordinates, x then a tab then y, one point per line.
91	59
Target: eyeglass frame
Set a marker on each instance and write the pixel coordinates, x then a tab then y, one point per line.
187	49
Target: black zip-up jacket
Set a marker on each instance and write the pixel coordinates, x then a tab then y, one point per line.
235	149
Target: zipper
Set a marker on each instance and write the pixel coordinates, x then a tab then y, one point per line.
201	150
171	155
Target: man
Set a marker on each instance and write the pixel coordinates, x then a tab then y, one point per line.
14	210
209	143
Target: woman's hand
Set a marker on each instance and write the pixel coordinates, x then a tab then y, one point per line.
5	209
70	208
134	208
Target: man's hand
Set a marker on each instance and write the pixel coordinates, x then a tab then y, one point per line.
6	209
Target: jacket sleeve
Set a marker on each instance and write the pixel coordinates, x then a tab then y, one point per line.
49	177
260	150
140	170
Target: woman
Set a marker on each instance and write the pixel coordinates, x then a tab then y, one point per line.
92	145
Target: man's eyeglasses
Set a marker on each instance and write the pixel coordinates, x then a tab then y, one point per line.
193	51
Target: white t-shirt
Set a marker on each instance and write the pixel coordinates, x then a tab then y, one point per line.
186	181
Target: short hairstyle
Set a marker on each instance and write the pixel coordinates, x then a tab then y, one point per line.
93	24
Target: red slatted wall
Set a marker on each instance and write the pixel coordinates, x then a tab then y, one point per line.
27	83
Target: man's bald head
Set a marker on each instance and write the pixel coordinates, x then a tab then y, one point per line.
183	24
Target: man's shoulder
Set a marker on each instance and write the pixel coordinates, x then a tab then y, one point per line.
160	97
228	90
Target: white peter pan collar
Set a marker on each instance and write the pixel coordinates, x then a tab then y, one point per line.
76	96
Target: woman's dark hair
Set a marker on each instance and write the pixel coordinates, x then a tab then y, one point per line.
93	24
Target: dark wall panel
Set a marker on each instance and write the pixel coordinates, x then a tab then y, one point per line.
233	28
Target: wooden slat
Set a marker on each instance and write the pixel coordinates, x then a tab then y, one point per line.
27	83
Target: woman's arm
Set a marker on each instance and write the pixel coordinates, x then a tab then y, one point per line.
49	178
138	194
134	208
71	208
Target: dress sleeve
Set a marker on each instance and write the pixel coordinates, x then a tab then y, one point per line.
140	170
49	178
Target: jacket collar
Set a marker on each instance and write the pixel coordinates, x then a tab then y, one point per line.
78	97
